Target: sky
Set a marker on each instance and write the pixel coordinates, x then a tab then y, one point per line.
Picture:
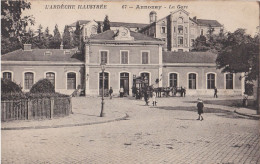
232	14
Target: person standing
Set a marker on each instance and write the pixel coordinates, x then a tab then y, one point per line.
154	99
181	91
215	92
200	106
121	91
145	96
184	91
110	92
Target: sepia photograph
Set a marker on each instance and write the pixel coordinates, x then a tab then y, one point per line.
130	82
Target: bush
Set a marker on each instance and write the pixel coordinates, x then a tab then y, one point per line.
7	86
249	89
43	86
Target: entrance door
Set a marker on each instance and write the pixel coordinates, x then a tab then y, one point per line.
124	82
106	84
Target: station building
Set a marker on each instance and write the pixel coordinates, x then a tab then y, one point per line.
127	54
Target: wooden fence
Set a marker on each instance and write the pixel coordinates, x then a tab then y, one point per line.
26	109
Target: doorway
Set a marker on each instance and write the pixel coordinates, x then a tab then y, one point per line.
124	82
106	84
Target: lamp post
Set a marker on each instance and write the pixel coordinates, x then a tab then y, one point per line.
102	65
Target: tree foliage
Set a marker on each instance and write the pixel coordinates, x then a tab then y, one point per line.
7	86
67	41
56	39
42	86
99	28
13	25
106	24
76	35
239	54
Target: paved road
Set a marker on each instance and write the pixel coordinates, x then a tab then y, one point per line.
168	133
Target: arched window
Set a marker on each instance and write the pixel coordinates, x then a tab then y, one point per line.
146	77
71	80
7	75
28	80
106	82
51	77
211	81
229	81
192	81
180	20
173	77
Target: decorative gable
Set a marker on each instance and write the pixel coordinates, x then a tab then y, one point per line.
123	33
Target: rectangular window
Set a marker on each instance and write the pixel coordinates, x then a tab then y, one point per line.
180	40
186	41
229	81
145	57
28	80
186	30
103	55
192	81
163	30
124	57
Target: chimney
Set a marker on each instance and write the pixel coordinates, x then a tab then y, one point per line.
195	18
61	46
27	47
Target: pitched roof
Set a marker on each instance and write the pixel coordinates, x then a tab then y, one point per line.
110	35
112	24
39	55
205	22
81	22
189	57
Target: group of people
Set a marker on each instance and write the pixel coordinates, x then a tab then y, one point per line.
150	92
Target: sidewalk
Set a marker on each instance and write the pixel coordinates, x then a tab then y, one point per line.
86	111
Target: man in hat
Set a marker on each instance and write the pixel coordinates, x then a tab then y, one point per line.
200	106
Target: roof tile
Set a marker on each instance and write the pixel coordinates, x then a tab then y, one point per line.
39	55
189	57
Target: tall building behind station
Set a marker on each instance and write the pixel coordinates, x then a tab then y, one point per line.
178	30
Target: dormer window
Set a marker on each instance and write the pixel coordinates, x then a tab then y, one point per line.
48	53
67	52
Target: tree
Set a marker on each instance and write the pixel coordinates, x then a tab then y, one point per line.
67	42
106	24
13	25
211	42
76	35
239	54
99	28
39	40
201	44
56	39
47	37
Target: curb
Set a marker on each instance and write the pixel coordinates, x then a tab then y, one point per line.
247	115
66	125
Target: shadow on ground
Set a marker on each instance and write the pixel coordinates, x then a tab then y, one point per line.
218	112
231	103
